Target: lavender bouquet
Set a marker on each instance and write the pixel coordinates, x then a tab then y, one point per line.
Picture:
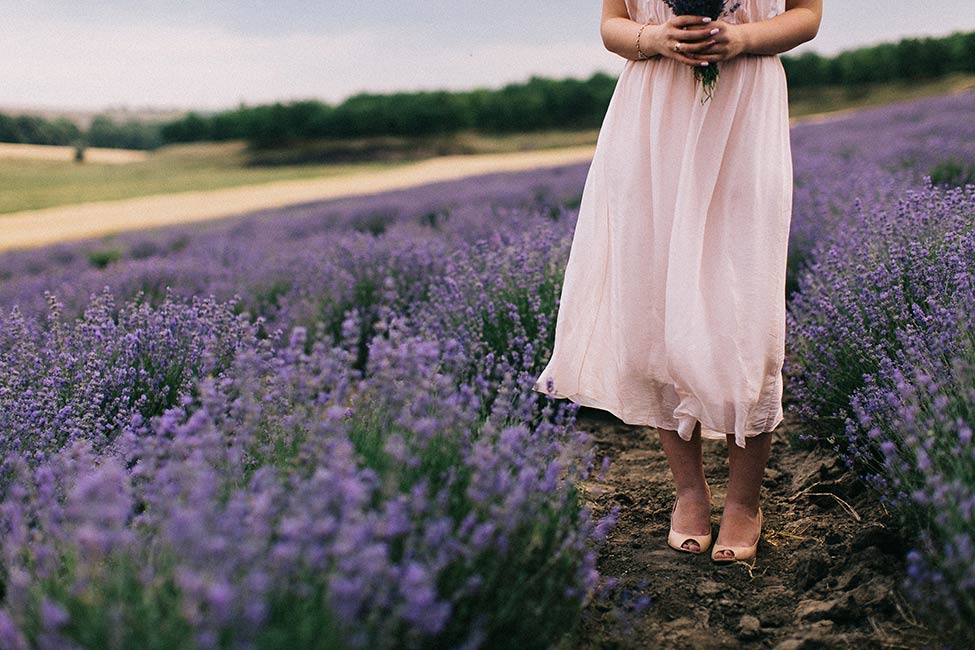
714	9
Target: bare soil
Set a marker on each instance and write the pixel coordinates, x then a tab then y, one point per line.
826	574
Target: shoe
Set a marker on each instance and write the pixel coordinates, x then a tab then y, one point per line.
742	553
675	539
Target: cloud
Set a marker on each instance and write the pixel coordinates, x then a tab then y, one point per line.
145	64
206	66
215	53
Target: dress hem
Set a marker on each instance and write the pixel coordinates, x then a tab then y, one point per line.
714	432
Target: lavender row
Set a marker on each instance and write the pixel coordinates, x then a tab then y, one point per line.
337	471
871	156
882	365
283	498
278	261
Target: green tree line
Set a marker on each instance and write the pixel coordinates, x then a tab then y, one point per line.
910	59
542	103
30	129
102	132
538	104
130	134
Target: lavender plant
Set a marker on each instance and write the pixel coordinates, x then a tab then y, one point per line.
498	299
873	289
285	491
293	500
924	428
873	155
882	352
61	379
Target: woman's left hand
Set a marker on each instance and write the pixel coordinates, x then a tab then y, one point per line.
729	42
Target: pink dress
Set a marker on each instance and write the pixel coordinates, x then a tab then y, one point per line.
672	307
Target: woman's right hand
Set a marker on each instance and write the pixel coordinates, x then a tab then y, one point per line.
691	33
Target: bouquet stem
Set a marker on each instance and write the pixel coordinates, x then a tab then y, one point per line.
714	9
708	77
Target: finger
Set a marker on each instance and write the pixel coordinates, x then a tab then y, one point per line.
720	37
689	20
698	46
710	57
689	50
685	59
719	47
693	35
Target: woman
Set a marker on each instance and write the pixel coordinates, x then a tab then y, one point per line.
672	312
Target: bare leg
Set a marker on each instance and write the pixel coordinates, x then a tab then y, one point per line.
693	513
746	468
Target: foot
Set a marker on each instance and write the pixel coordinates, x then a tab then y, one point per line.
739	526
692	516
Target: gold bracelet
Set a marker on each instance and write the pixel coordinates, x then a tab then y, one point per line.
639	53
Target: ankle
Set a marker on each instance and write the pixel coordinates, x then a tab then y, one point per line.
749	508
694	492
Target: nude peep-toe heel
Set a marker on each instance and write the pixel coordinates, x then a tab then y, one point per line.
739	552
675	539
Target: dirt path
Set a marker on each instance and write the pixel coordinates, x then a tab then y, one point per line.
32	228
71	222
62	223
825	575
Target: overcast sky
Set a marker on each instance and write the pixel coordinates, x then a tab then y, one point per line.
213	54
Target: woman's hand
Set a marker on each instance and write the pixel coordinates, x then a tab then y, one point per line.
728	42
681	38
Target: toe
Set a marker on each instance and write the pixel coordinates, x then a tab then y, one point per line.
691	545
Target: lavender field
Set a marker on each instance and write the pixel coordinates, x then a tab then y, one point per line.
314	427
